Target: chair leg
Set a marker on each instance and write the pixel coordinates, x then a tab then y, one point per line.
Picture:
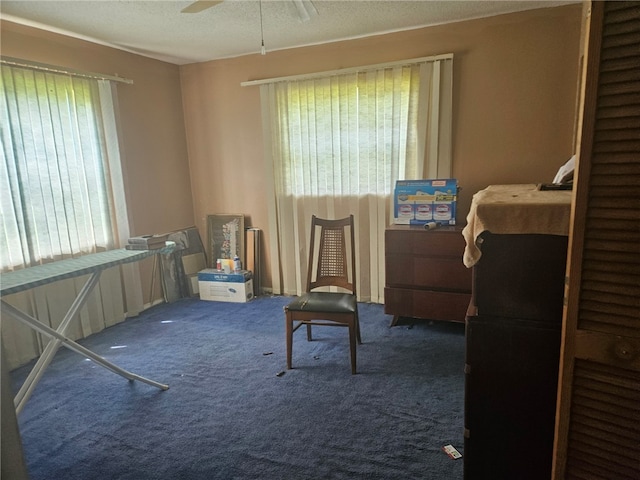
358	329
289	329
352	345
308	332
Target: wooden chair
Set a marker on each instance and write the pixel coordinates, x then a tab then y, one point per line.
331	263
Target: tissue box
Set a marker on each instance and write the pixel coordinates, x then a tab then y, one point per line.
217	286
417	202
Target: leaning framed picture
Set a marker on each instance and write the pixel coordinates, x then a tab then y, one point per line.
225	237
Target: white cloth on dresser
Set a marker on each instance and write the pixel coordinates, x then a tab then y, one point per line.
515	209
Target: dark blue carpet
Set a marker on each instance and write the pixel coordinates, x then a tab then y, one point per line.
227	415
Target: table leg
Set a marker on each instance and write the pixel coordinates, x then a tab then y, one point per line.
46	330
52	347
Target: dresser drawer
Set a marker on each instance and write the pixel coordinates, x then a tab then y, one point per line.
447	273
443	241
521	276
406	302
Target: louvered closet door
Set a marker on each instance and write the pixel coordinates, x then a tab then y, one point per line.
598	416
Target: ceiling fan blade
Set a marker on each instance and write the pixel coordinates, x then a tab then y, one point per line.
200	5
306	9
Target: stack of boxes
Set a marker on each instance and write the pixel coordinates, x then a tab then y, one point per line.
228	282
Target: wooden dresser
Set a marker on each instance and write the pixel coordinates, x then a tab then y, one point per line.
517	244
425	276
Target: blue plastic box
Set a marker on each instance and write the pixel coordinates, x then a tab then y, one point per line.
417	202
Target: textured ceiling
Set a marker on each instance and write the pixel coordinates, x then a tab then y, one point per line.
231	28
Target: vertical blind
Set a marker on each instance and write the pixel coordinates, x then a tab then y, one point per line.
61	195
336	144
54	193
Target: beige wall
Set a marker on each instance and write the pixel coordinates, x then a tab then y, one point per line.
153	138
515	80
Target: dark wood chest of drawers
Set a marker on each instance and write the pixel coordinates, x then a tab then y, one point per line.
425	276
513	336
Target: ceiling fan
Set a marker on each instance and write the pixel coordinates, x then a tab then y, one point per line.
305	8
200	5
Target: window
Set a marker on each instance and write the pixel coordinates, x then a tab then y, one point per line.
55	193
346	134
61	195
335	145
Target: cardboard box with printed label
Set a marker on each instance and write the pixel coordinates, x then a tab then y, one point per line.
418	202
215	285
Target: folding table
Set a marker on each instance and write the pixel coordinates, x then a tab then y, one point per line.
93	265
